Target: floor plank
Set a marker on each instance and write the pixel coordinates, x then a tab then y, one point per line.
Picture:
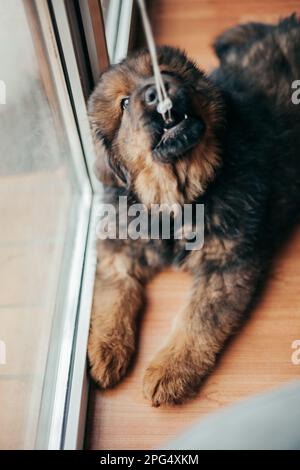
259	357
194	24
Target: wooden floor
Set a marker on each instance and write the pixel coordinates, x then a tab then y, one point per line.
259	357
194	24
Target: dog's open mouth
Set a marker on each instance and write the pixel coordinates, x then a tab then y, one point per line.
176	141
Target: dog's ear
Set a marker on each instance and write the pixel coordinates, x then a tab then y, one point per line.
106	168
102	168
109	171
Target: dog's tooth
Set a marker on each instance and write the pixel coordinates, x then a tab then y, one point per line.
185	116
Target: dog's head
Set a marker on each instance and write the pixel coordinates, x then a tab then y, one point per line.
160	162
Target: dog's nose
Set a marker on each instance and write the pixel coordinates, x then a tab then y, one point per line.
150	94
151	97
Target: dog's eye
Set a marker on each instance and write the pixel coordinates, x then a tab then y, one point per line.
124	103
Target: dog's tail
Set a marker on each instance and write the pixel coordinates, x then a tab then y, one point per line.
236	43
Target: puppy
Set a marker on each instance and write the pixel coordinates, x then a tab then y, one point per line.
233	145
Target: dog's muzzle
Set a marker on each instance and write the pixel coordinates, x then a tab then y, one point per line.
183	129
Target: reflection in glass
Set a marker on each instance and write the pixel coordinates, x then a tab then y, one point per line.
39	192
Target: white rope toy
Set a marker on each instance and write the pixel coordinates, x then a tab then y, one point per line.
164	102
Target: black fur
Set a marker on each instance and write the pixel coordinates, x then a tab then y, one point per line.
250	139
258	190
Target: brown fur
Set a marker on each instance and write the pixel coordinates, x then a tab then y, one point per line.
152	181
189	352
118	298
247	157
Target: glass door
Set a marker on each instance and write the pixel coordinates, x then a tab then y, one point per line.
45	200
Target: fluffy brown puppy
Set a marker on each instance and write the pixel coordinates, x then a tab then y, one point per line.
233	144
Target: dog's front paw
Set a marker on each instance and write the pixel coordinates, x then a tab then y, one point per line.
171	379
109	358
